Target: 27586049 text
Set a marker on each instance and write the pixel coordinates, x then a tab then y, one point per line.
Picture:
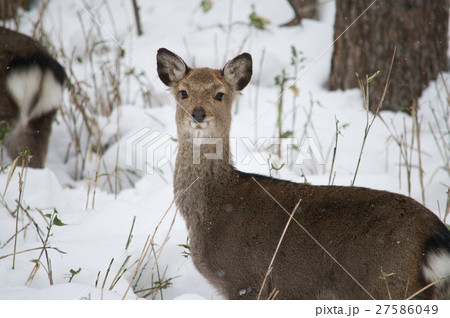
407	309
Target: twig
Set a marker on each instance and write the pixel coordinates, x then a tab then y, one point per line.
106	276
334	150
25	160
130	236
137	17
44	249
258	83
158	272
122	270
428	286
269	269
147	246
157	254
28	250
365	92
15	234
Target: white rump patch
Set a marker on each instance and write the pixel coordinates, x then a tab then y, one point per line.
438	266
29	83
50	97
23	85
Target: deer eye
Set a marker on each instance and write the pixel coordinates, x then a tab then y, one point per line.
183	94
219	96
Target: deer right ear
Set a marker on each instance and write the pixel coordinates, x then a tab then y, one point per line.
238	71
171	68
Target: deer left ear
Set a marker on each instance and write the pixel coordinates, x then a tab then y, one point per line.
171	68
238	71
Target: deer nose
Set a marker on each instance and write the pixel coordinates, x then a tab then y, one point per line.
199	114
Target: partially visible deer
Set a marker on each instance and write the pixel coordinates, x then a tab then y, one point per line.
343	242
31	85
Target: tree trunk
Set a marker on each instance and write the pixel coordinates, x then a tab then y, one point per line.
417	28
302	9
8	8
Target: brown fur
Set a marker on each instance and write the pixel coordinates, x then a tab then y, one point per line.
19	53
234	225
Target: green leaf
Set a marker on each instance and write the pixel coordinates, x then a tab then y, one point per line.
277	80
57	249
372	77
57	221
295	90
24	152
36	262
206	5
74	272
287	134
258	21
277	168
130	72
4	129
293	51
384	274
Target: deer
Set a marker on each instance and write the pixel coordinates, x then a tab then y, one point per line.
344	242
31	88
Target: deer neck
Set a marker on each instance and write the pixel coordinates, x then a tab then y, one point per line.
200	170
203	157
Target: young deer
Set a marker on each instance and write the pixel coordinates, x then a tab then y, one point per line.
31	84
343	242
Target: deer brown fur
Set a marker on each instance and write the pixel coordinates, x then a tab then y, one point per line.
349	242
31	83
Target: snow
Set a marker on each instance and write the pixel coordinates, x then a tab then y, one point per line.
99	219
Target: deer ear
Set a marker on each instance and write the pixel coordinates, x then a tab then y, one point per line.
171	68
238	71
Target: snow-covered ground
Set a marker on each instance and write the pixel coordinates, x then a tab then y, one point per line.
98	219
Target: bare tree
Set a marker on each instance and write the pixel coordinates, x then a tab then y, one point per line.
419	31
